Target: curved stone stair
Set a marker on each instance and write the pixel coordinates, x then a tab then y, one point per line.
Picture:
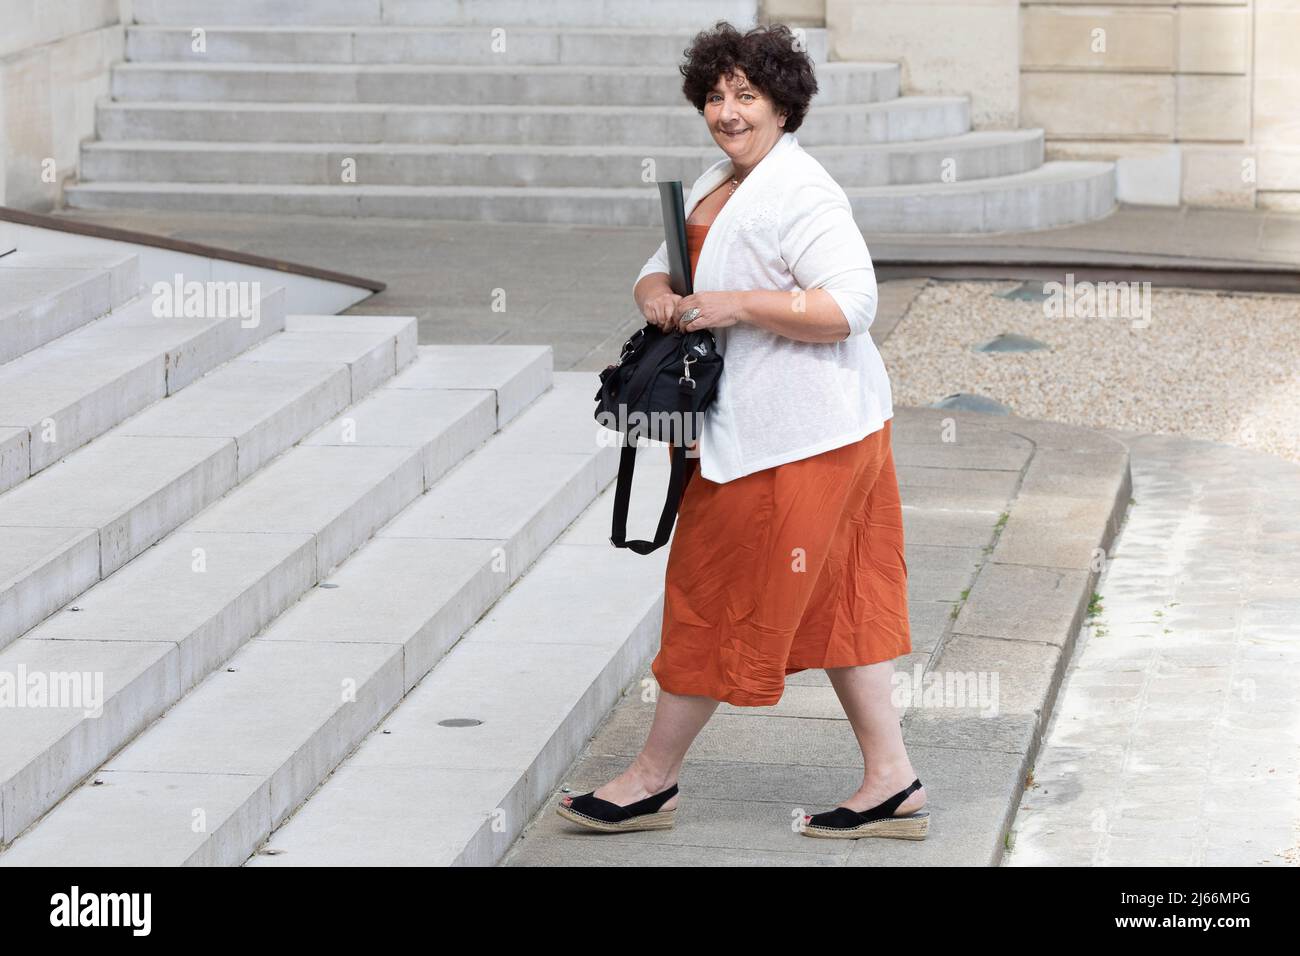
466	164
437	110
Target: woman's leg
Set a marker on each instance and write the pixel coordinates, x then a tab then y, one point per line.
677	722
864	692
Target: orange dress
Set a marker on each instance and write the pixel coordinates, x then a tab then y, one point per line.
695	234
792	567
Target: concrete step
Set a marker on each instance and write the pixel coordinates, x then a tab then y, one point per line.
975	155
398	605
839	83
157	627
905	119
467	45
1051	195
55	399
45	295
80	520
685	14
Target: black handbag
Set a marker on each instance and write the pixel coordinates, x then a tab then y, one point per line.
660	389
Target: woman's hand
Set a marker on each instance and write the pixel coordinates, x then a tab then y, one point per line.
717	309
662	310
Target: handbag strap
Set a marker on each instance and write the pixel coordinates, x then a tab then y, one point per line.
676	485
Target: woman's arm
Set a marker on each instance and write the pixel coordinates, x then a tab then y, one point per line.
825	252
805	315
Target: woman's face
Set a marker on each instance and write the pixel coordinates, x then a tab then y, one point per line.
743	120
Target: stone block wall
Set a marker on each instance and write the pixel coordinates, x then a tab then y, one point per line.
1197	102
1163	89
55	57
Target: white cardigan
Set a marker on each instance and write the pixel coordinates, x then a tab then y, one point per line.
788	226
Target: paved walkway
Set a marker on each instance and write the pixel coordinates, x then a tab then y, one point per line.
1147	233
1175	740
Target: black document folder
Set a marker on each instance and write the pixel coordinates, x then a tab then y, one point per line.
679	260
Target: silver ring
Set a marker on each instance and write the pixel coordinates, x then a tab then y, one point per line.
690	316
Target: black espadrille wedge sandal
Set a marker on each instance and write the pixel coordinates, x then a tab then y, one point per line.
879	821
591	811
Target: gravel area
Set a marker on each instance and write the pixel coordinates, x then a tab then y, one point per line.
1217	366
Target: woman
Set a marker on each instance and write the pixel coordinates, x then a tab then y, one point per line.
788	550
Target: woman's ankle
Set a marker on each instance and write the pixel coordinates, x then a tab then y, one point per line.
653	779
899	775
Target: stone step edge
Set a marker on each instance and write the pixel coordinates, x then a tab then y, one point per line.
78	576
973	139
1055	439
84	296
151	12
133	364
908	101
121	274
1049	172
830	70
399	28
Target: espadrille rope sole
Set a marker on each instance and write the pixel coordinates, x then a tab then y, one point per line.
662	820
913	826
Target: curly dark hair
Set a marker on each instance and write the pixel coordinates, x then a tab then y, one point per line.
769	59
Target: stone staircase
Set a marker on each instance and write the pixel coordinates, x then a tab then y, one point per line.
256	547
411	108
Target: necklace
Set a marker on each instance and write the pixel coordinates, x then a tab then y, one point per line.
735	183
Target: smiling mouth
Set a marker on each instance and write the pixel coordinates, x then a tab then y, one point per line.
736	133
